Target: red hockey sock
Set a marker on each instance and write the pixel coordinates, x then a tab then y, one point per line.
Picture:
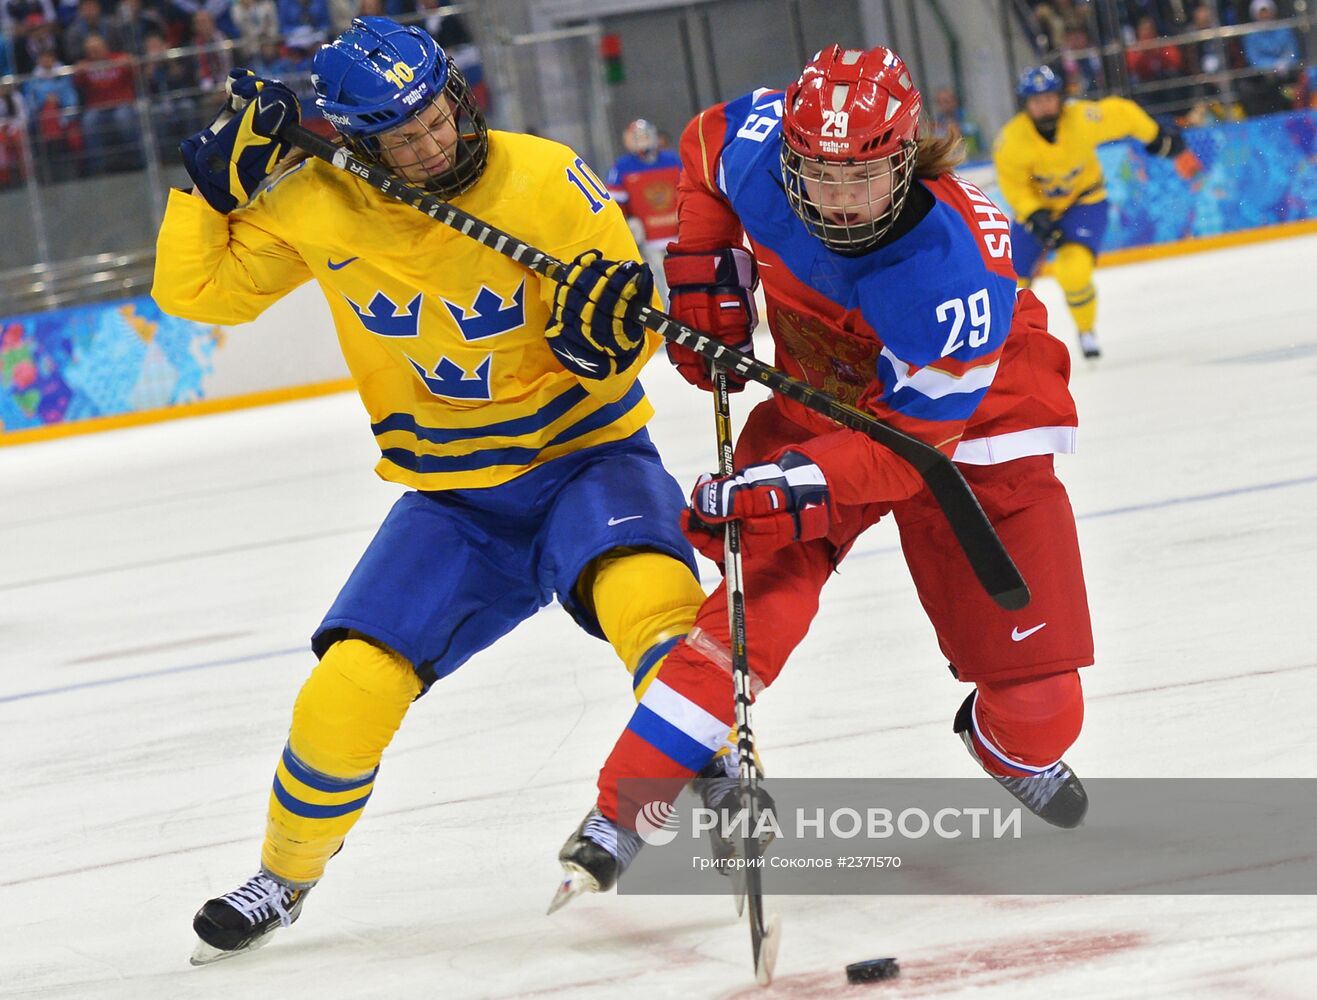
681	721
1022	727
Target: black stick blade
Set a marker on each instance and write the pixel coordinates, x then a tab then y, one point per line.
987	556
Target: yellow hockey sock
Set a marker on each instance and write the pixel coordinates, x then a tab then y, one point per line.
645	601
344	717
1073	268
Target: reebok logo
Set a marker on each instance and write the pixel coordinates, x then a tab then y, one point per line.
587	365
1017	635
618	520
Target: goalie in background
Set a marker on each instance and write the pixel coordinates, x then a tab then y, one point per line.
508	404
643	182
889	285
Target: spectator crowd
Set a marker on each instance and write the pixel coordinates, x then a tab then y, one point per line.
1092	44
87	67
1254	72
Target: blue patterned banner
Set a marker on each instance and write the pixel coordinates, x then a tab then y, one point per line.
1257	173
99	361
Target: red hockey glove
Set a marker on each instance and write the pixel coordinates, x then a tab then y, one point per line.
777	503
709	539
712	293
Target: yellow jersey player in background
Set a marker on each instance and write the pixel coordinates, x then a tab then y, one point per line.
1048	169
508	403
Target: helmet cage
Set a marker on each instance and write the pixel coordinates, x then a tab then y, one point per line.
641	139
823	194
404	146
1034	83
850	139
376	79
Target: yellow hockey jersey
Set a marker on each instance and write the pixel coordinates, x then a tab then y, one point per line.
1034	173
443	337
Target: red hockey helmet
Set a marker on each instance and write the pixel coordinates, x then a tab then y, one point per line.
850	130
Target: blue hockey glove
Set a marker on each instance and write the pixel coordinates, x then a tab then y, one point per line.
1169	144
228	160
1043	228
594	331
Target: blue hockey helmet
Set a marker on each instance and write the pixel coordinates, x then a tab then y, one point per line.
1038	80
377	76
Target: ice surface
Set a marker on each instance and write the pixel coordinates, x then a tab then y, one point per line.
158	585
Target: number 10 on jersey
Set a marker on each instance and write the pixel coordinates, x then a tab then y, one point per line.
589	185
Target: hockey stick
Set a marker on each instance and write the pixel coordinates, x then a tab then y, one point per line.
764	938
988	557
1051	243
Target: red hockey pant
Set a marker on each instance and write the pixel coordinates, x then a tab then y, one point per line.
1029	707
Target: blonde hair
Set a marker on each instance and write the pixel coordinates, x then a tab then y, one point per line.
939	154
290	159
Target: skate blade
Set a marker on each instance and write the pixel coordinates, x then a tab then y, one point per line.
738	892
205	954
722	856
576	881
767	957
737	877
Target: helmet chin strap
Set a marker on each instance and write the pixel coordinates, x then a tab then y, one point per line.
1046	126
455	175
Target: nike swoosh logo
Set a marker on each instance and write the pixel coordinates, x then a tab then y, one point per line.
1017	635
618	520
341	264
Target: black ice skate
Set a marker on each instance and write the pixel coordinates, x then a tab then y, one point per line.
719	787
1055	795
593	857
244	919
1088	343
